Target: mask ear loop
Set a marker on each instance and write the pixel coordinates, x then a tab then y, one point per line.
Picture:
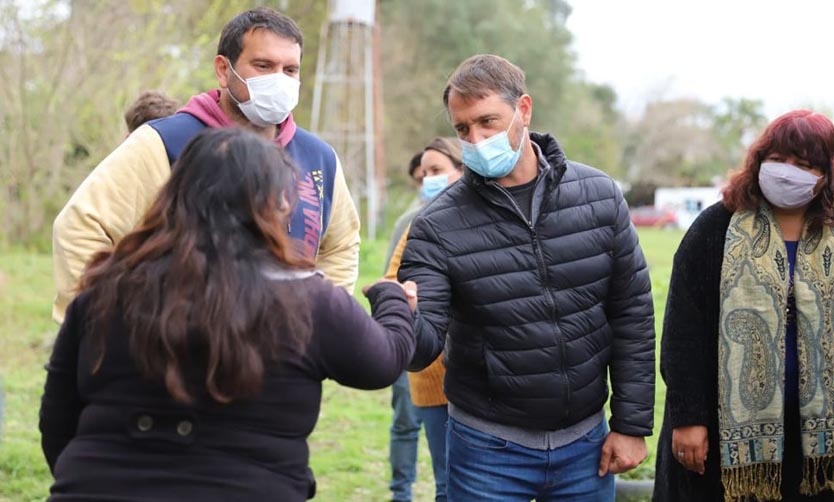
229	90
523	131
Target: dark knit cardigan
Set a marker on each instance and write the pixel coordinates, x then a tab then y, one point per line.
116	435
689	358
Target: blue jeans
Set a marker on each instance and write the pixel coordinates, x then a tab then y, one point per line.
405	432
434	419
482	467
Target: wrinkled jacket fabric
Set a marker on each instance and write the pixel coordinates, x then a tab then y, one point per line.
539	313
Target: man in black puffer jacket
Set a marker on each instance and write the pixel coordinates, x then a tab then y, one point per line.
532	267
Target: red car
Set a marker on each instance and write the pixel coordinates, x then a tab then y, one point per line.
650	216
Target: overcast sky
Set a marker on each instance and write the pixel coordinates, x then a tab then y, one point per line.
781	52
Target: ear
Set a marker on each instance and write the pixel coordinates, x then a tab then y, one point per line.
284	204
221	70
525	108
825	180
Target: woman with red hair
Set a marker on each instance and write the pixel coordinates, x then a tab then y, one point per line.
747	352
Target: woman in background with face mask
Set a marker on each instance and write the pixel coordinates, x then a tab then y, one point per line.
747	352
441	165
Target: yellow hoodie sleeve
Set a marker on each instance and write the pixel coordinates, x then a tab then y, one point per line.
397	255
338	254
106	206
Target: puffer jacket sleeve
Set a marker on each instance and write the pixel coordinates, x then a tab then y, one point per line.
424	261
630	314
105	207
396	257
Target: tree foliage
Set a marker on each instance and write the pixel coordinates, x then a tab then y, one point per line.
425	41
684	142
70	67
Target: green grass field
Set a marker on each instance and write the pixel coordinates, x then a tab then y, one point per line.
349	447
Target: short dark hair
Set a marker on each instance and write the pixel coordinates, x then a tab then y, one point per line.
484	73
414	163
231	38
148	106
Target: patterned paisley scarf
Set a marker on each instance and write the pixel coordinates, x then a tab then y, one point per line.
755	285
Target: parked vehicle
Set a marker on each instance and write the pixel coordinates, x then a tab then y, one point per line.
651	216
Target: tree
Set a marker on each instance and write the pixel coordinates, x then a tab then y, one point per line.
70	68
673	144
591	129
423	42
737	123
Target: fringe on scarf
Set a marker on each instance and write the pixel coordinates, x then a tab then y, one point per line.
817	475
751	482
762	482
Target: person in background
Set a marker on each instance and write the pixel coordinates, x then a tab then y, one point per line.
405	425
190	365
257	67
532	278
415	176
148	106
746	352
442	166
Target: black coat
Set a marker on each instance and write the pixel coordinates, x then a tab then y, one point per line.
689	358
115	435
538	313
689	364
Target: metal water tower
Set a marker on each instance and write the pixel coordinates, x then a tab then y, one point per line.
344	98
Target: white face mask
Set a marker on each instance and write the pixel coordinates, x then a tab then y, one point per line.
271	98
785	185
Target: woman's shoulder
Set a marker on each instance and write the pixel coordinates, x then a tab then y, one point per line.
706	234
281	273
79	307
716	213
712	220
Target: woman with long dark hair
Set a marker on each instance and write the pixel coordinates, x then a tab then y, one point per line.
189	366
747	352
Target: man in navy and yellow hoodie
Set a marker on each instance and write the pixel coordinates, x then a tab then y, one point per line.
257	68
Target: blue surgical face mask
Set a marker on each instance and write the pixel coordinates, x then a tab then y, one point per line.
493	157
433	185
785	185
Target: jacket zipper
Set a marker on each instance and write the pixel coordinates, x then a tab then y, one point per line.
543	272
536	248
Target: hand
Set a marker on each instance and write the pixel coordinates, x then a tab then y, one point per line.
409	287
690	447
621	453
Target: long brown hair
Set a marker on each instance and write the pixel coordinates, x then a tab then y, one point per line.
801	133
189	281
